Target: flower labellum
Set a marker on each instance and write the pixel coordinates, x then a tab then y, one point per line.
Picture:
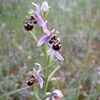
29	23
34	76
57	95
55	42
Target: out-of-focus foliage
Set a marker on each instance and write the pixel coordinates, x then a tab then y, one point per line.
78	23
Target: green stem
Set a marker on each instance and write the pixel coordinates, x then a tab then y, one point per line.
44	49
45	54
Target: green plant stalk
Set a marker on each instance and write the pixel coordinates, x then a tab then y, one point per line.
44	49
47	77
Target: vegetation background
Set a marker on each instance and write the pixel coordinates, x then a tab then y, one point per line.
78	23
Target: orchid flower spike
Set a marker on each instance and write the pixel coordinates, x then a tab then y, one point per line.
35	77
54	48
57	95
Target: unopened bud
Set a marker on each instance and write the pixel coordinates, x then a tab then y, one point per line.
45	6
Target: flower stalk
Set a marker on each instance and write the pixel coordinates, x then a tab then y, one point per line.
44	49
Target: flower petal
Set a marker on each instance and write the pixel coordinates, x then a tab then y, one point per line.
53	30
45	29
58	56
39	68
37	8
43	40
40	81
39	19
34	70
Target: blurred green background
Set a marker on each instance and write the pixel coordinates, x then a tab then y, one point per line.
78	23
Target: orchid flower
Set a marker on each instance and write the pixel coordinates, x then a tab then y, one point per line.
35	18
38	77
54	48
34	76
57	95
37	12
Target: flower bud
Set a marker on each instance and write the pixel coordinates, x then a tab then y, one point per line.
57	95
45	6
